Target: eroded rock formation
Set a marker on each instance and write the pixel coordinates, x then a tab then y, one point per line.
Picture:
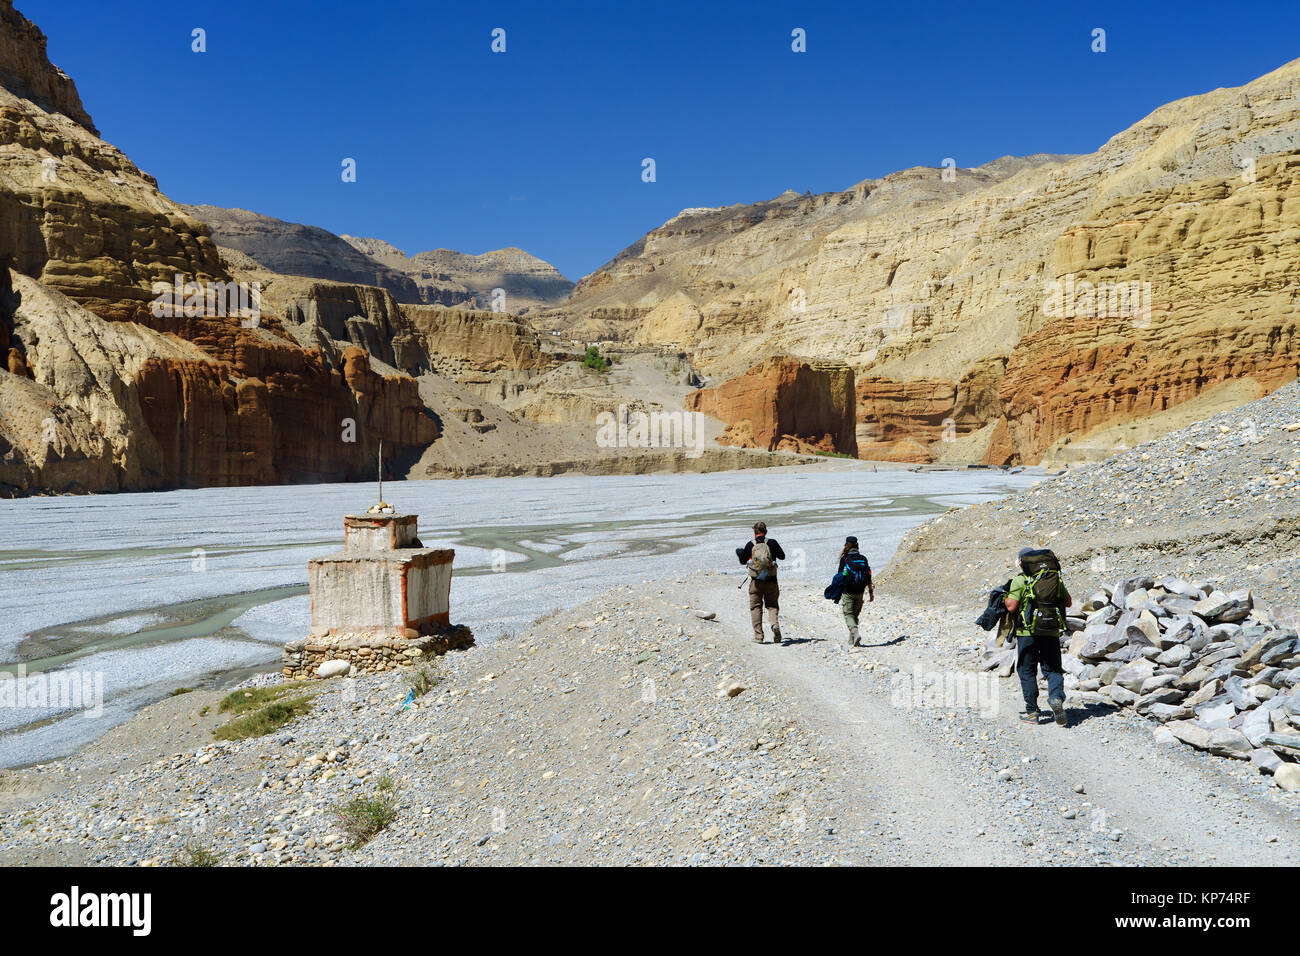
939	292
103	391
785	404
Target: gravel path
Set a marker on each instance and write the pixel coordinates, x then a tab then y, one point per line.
631	730
936	773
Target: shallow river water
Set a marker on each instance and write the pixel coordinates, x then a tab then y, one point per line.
132	596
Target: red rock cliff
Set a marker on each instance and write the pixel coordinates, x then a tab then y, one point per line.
785	403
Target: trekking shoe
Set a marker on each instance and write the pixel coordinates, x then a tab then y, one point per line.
1030	716
1058	710
758	639
853	637
776	633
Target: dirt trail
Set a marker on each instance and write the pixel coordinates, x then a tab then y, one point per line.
934	772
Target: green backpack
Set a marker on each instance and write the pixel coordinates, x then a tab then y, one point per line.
1041	611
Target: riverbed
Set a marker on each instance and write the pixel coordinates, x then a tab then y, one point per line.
134	596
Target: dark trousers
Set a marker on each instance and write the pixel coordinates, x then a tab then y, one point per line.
1032	653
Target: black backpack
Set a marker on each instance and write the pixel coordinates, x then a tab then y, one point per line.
1041	612
856	573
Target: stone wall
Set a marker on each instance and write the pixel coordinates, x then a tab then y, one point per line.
367	652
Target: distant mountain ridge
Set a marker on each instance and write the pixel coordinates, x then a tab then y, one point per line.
438	277
528	282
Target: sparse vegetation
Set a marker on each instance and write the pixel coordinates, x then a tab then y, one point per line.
194	853
364	818
424	679
832	454
264	710
181	690
239	701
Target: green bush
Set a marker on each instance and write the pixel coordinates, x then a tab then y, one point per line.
594	360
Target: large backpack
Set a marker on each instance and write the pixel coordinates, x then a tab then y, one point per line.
762	565
856	573
1041	612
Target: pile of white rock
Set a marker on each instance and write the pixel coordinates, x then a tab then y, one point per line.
1217	669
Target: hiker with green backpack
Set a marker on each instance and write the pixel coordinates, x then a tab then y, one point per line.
760	557
1037	601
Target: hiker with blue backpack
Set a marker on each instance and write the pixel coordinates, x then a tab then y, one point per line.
852	579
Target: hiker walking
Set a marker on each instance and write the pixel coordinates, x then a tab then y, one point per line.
854	576
760	556
1037	601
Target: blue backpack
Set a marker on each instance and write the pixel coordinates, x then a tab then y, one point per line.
857	572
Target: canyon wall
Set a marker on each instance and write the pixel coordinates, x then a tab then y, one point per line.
105	391
785	404
940	287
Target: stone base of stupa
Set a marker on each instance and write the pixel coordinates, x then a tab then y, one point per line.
368	651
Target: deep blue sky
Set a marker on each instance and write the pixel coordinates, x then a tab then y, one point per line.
541	147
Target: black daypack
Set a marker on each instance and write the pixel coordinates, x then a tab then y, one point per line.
1041	611
856	573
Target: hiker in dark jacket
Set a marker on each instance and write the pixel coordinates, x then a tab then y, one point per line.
1034	650
761	555
854	583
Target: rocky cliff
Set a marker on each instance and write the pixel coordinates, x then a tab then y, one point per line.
1004	310
105	390
786	404
27	72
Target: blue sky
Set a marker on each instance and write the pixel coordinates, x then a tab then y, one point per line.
541	147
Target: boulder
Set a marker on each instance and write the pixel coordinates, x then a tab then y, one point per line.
1122	696
1216	712
1256	725
1167	712
1106	672
1281	653
1097	601
1157	681
334	668
1174	656
1132	675
1288	776
1239	694
1104	640
1225	742
1191	733
1145	630
1207	691
1121	591
1265	760
1286	742
1218	606
1166	695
